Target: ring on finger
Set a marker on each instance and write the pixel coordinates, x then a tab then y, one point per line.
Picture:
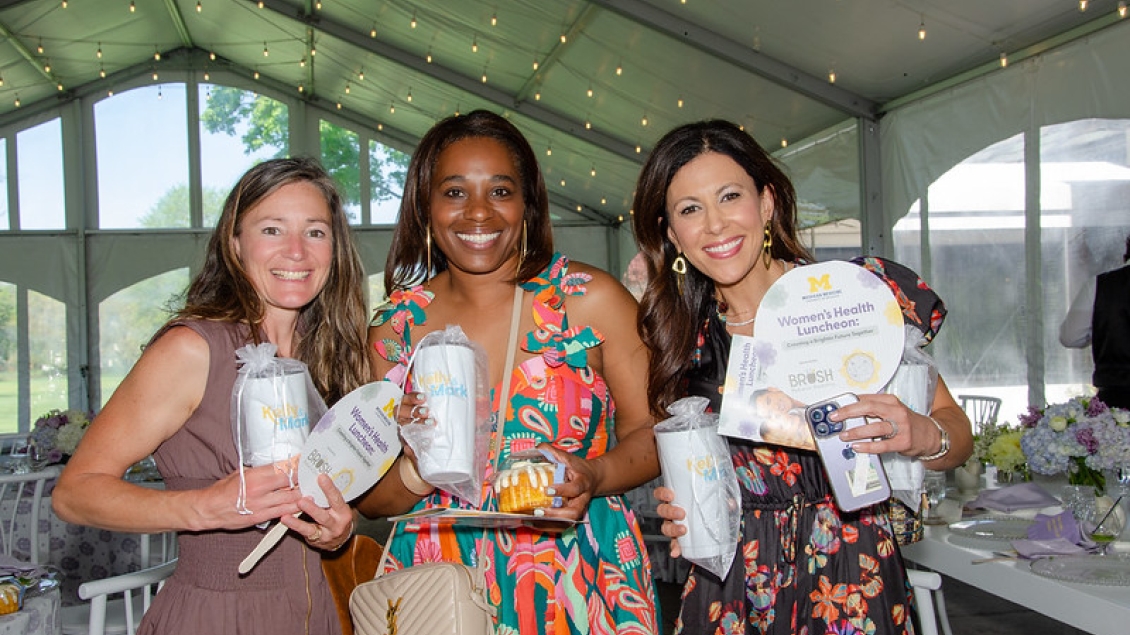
316	535
894	430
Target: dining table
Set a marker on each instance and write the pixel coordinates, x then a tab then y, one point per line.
1090	592
39	615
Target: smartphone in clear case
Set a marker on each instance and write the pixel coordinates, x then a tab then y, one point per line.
857	478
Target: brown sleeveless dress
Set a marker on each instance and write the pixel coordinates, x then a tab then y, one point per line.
286	593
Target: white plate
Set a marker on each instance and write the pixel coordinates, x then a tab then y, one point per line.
998	529
1112	570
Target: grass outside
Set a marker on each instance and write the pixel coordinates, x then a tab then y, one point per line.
47	393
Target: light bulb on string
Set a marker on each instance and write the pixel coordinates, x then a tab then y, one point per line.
639	148
429	56
832	76
679	103
535	63
784	142
199	7
643	121
256	75
207	76
132	7
348	88
592	172
475	44
339	105
101	72
1122	9
64	4
589	93
413	22
579	207
361	75
98	54
1	80
260	4
1082	5
409	97
59	86
380	126
603	201
212	55
922	30
313	51
1004	60
301	88
47	66
318	5
549	150
494	19
537	96
17	102
266	52
484	77
156	55
588	125
373	31
154	75
302	63
39	48
562	182
110	92
619	69
392	109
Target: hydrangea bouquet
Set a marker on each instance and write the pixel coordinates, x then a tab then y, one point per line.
1082	437
999	445
56	434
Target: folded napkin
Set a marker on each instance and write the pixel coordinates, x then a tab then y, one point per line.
1053	535
20	569
1014	497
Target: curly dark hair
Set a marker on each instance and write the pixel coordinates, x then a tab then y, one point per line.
669	320
407	256
332	328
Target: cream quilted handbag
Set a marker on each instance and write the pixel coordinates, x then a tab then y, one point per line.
436	598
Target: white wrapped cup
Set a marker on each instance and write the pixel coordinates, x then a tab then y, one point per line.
445	373
692	460
276	416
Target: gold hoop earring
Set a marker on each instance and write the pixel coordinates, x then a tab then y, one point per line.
767	247
522	252
679	266
428	271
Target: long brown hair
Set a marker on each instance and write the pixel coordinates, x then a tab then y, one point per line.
670	319
408	255
332	328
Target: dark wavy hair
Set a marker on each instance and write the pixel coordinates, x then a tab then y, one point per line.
332	328
407	256
670	320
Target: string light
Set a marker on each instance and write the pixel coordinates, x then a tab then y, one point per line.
484	77
380	126
1004	60
39	48
535	63
1122	9
318	5
207	76
47	66
156	55
154	75
313	51
339	105
413	22
549	150
409	97
132	7
643	121
59	86
266	53
1082	5
592	172
1	80
832	76
212	55
301	88
64	4
562	182
922	29
99	53
101	72
563	38
373	31
784	142
17	102
392	109
260	4
429	56
348	88
679	103
588	125
638	148
590	90
302	62
256	75
603	201
537	95
199	7
475	44
619	69
361	75
494	19
110	93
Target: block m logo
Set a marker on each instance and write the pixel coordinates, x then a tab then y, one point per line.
823	283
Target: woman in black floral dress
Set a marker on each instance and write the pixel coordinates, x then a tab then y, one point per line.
716	221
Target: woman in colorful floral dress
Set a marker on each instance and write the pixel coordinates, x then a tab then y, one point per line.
716	221
474	224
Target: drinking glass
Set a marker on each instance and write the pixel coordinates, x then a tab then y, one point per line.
1104	525
935	486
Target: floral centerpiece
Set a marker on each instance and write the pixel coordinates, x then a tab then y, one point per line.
999	445
56	434
1082	438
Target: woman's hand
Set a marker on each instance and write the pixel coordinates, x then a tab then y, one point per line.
327	528
891	427
269	493
576	491
670	512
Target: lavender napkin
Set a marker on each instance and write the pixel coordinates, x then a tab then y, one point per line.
1014	497
1053	535
15	567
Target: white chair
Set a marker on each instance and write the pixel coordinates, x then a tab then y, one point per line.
981	410
120	615
24	492
929	601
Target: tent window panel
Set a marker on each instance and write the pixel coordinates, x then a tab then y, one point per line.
9	379
47	352
341	156
1085	189
5	222
376	291
388	168
238	129
142	152
40	157
129	318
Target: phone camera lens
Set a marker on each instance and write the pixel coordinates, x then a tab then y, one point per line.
822	429
817	415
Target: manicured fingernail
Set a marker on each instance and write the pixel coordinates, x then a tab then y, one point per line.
539	512
549	491
422	412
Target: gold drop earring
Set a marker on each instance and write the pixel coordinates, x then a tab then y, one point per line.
767	247
679	266
428	271
522	252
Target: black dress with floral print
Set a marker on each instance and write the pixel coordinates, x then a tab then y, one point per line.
803	566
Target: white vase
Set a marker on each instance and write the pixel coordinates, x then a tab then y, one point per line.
968	476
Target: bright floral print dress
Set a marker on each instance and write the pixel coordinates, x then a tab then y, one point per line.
803	566
592	578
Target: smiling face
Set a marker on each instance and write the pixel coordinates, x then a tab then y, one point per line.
476	206
717	218
285	244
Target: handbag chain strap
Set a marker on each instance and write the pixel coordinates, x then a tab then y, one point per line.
496	440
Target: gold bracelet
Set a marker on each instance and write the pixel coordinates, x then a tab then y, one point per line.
412	480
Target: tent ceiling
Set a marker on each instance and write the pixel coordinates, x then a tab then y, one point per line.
763	63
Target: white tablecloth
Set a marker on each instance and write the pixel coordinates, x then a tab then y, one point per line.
39	616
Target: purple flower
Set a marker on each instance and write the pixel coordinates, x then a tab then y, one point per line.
1086	438
1031	418
1096	407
